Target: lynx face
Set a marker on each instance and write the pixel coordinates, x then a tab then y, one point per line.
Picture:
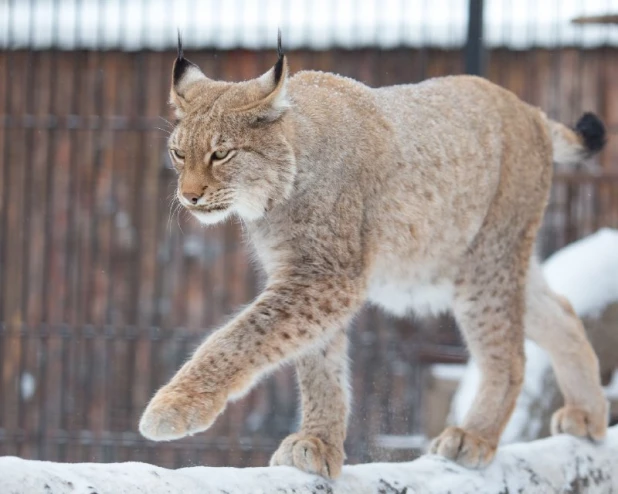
229	147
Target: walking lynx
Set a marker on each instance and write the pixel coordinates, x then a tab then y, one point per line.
416	198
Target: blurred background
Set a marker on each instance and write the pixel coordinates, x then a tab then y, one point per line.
105	290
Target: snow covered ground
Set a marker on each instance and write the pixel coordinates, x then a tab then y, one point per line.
557	464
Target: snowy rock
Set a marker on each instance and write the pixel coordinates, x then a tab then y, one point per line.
557	464
586	272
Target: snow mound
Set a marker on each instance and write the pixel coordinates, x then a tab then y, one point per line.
586	272
557	464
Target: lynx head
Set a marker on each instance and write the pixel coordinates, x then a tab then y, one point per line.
229	146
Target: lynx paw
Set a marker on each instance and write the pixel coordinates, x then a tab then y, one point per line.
577	422
310	454
466	448
175	412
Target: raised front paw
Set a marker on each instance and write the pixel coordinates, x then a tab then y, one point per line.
466	448
310	454
176	411
577	422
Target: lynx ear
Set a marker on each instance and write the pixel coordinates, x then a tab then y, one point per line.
271	87
184	75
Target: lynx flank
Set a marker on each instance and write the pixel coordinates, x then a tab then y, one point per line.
416	198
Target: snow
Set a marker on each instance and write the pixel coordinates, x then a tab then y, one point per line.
28	386
549	465
611	390
448	372
586	272
318	24
394	441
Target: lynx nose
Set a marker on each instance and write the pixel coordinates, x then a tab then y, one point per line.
191	197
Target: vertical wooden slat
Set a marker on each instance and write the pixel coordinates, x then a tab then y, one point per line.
107	90
84	201
14	215
39	194
60	208
71	247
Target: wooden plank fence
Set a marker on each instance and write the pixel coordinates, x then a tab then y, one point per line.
105	287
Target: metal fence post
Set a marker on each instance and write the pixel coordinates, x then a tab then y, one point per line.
475	50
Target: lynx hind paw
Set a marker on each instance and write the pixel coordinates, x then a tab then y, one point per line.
577	422
466	448
310	454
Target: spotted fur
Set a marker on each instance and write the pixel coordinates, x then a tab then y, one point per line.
423	197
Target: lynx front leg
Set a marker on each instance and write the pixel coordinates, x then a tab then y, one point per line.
287	319
323	379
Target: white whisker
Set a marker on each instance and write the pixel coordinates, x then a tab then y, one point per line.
167	122
178	209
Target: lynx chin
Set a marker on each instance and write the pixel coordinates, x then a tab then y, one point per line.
416	198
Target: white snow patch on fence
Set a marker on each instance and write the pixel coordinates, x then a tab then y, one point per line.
448	372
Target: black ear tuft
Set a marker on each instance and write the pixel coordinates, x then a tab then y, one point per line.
181	55
279	64
279	48
181	64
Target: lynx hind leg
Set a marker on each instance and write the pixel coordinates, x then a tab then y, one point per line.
489	309
552	323
323	379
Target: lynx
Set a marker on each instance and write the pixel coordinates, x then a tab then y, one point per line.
417	198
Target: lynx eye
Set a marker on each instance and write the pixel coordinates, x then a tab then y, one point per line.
219	155
178	155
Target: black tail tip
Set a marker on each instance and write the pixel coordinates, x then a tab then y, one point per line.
592	130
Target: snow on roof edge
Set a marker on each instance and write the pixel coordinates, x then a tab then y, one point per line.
313	24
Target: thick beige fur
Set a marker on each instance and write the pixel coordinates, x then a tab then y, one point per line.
416	198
